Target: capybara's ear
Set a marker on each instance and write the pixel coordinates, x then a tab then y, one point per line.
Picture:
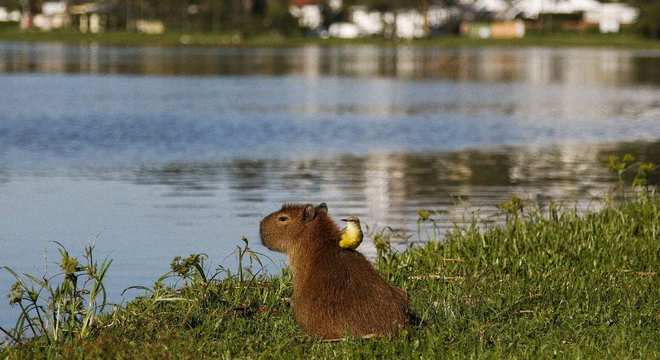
309	213
322	207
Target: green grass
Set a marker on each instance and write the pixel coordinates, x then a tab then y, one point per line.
274	40
546	284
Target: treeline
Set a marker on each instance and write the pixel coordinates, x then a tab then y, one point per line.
649	18
187	15
209	15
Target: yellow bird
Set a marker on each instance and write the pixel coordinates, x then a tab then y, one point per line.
351	236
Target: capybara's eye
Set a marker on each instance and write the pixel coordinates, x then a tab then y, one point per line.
283	218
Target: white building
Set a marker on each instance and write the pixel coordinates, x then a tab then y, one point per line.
491	6
309	16
92	17
335	5
439	15
531	9
9	16
410	24
53	8
368	22
53	16
344	30
148	26
610	17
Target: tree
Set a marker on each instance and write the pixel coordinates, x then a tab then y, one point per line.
649	18
11	4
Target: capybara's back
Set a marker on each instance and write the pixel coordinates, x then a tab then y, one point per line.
336	292
342	294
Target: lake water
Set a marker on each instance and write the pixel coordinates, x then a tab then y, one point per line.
152	153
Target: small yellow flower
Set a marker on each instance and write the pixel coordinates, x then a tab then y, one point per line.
16	293
69	264
423	215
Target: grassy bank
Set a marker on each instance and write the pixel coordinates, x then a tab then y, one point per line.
273	40
552	284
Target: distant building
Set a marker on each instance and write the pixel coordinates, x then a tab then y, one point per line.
413	24
335	5
410	24
91	17
54	8
611	16
573	14
608	17
532	9
54	15
344	30
438	16
485	18
405	23
494	30
308	13
9	16
495	9
369	22
149	26
86	16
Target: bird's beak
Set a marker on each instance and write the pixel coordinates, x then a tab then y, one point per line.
344	220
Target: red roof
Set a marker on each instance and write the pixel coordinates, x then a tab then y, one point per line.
305	2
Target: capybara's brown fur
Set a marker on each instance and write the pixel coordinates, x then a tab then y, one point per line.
336	292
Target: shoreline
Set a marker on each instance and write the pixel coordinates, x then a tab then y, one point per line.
228	40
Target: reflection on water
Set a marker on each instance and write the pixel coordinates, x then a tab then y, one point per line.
533	65
390	188
151	167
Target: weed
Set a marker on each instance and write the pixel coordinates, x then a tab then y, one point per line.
630	171
63	306
426	216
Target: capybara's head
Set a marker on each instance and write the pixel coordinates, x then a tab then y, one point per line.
283	228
